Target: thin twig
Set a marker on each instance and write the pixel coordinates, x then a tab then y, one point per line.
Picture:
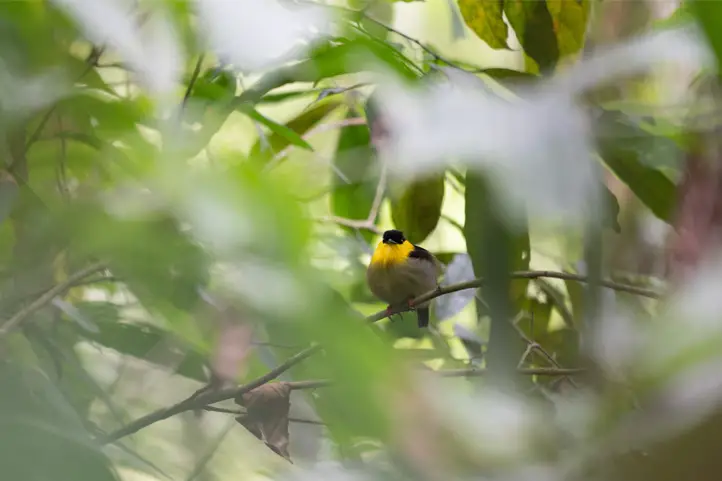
361	224
47	297
192	82
209	397
476	283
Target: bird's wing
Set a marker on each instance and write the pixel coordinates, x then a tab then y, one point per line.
423	254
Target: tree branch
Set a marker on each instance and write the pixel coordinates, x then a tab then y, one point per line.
206	398
47	297
476	283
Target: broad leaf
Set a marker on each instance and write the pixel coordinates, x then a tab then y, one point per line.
281	130
417	209
485	18
534	27
355	175
300	125
570	24
625	149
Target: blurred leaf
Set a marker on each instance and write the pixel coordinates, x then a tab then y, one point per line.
278	129
459	270
495	251
151	255
39	424
355	175
344	55
534	27
709	16
508	74
8	194
300	125
417	209
214	85
403	325
624	153
570	24
681	16
485	18
540	315
140	340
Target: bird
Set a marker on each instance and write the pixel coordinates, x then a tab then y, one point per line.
400	271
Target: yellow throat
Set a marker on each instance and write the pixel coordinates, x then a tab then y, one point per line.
387	255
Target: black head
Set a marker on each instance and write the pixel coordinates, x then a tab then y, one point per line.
394	237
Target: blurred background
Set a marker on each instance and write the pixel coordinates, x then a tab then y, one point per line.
191	191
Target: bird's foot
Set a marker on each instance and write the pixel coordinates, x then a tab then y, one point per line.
411	303
389	311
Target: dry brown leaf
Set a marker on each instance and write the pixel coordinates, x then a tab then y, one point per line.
267	409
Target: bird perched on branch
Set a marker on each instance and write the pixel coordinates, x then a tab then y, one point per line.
400	271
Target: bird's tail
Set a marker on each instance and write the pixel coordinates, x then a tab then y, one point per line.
422	314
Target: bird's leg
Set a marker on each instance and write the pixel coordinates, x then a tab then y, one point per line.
411	303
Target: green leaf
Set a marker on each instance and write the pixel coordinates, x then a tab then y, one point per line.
570	24
495	251
326	60
417	209
39	424
611	210
485	18
624	148
355	175
709	16
534	28
299	125
140	340
279	129
151	255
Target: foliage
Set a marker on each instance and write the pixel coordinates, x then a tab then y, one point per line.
191	190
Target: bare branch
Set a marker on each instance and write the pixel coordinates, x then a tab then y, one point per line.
476	283
206	398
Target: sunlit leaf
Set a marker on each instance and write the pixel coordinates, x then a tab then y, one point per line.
279	129
570	24
300	125
534	27
485	18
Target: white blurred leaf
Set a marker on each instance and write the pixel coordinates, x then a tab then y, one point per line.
26	95
152	51
458	270
256	34
539	150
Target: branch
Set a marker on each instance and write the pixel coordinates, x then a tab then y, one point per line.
208	397
192	82
47	297
476	283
